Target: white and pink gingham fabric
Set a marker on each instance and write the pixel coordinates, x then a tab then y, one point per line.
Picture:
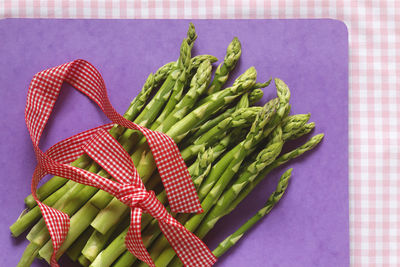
374	30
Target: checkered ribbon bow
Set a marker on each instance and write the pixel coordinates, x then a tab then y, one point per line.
108	153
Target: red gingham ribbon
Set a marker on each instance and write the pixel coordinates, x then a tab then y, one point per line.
108	153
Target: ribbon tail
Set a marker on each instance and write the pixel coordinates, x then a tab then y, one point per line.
133	240
189	248
57	222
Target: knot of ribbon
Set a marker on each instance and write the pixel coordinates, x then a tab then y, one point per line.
104	149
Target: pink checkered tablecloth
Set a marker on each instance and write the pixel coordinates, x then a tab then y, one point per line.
374	29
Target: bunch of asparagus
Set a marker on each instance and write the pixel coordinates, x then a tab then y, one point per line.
228	144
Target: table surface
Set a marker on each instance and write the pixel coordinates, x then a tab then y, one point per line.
374	101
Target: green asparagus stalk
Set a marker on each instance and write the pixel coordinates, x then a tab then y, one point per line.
83	261
97	241
180	81
29	255
127	259
18	227
310	144
271	202
75	250
264	158
256	95
246	100
198	85
305	129
241	118
232	56
229	164
292	124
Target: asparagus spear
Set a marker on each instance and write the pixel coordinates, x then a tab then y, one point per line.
198	84
245	101
305	129
29	255
83	261
294	123
271	202
310	144
180	81
241	118
75	250
232	56
264	158
97	241
34	214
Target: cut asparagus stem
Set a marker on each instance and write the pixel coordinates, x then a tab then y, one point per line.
272	201
78	223
55	183
75	250
127	259
97	241
83	261
29	255
232	56
34	214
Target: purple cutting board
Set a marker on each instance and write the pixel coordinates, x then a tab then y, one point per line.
310	227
